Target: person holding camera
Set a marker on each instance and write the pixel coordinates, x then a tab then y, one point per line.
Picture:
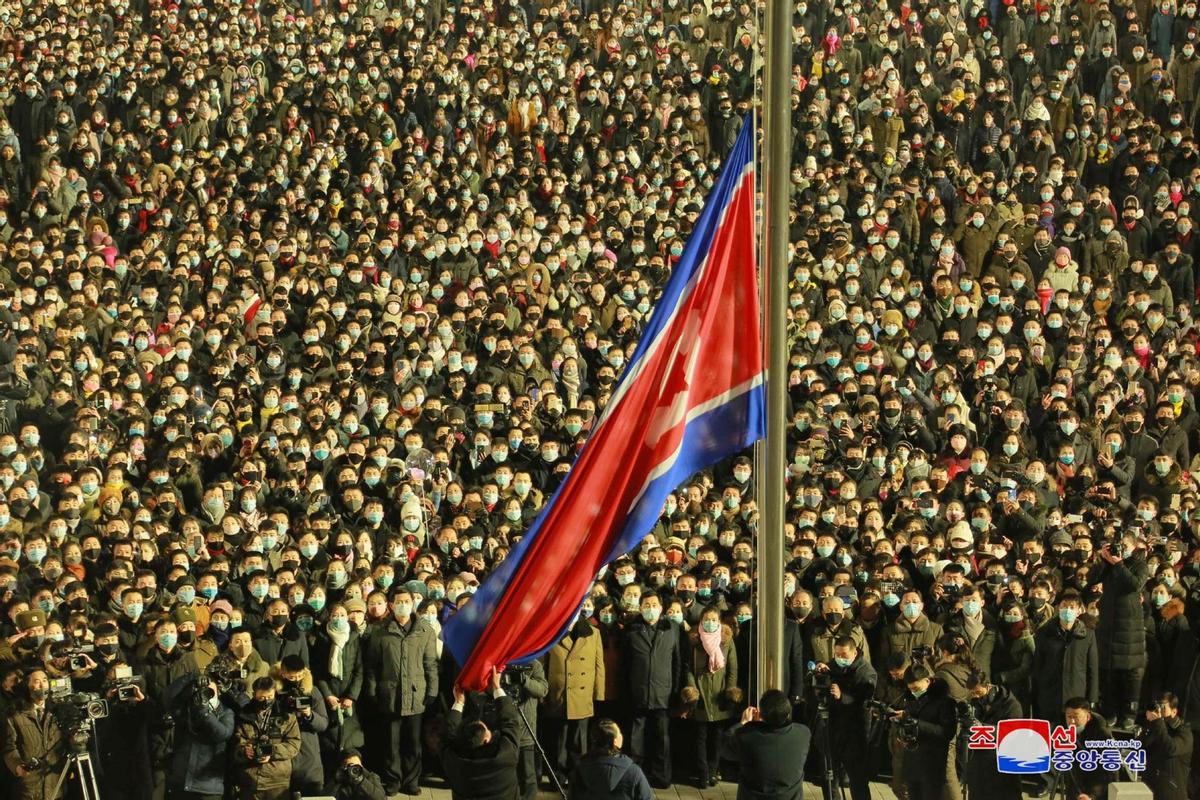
527	685
604	772
851	682
353	781
1167	739
297	695
770	750
481	763
122	741
1121	631
989	703
34	749
927	723
264	744
1080	783
204	724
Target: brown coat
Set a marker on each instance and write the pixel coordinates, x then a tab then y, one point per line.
575	670
26	739
716	694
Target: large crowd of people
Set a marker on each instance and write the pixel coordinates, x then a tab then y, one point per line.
306	309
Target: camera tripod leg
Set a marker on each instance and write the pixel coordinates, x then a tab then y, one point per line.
545	759
832	784
82	762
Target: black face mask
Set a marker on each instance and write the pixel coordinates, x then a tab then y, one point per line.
833	618
278	620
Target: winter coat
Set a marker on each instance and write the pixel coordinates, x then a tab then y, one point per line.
1168	745
1166	629
163	669
198	760
575	670
984	645
307	771
822	637
1012	661
937	723
274	647
980	774
401	667
283	732
651	664
25	738
1066	664
901	636
350	684
488	772
847	714
770	760
716	694
1121	632
609	777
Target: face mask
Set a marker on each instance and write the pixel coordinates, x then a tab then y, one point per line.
1068	616
971	607
911	610
651	615
710	626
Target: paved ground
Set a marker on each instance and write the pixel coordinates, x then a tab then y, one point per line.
722	791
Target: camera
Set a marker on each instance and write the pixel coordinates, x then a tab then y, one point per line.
75	712
75	655
262	747
125	684
227	674
293	703
820	680
513	680
921	652
354	773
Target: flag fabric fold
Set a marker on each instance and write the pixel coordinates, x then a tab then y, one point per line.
691	395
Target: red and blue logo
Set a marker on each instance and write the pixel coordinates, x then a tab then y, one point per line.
1023	746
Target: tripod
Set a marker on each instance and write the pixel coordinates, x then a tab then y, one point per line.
82	762
832	784
538	746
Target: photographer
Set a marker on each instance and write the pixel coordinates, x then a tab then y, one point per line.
527	685
1121	631
1084	784
481	763
203	724
851	682
989	704
770	750
265	742
296	694
1168	742
927	723
34	748
353	781
122	742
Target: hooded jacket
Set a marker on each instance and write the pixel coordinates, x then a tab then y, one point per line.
609	777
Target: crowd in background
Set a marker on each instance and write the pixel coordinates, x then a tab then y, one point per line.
305	311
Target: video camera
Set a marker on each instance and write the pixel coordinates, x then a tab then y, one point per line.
262	747
354	773
75	712
882	713
289	703
921	653
125	684
75	654
513	681
226	673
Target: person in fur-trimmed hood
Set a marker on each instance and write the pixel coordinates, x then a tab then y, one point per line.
710	689
294	681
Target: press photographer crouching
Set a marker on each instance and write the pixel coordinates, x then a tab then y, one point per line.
266	740
926	722
34	746
353	781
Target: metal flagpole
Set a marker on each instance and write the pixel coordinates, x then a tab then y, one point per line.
776	163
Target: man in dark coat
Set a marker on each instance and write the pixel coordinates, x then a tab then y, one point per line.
401	669
651	669
853	684
204	724
770	750
481	763
1121	633
1065	661
990	704
278	638
1168	743
1089	727
930	714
